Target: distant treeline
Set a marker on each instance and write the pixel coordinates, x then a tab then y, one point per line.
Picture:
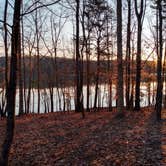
63	71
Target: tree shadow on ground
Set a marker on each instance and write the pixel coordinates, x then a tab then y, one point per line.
151	153
125	141
100	139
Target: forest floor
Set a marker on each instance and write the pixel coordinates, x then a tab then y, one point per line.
102	138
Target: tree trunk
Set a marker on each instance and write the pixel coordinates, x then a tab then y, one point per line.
164	75
21	111
159	65
51	89
6	43
6	49
24	66
88	79
11	90
128	50
140	17
29	84
120	97
79	82
138	67
38	60
97	75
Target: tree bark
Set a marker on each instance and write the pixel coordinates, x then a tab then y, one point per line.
11	90
38	61
6	43
79	82
21	111
120	96
97	74
140	18
128	51
138	67
159	64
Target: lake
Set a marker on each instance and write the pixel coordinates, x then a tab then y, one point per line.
68	94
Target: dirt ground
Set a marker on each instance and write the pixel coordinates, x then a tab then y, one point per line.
62	139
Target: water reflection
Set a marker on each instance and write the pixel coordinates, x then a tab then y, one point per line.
64	98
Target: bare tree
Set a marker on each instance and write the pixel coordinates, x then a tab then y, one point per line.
159	59
20	78
79	79
128	52
120	96
86	39
140	18
6	42
11	90
5	37
38	56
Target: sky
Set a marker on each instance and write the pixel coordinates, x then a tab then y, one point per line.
67	32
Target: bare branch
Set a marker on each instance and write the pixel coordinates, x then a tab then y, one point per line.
40	6
6	23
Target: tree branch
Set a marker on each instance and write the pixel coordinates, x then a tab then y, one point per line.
38	7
